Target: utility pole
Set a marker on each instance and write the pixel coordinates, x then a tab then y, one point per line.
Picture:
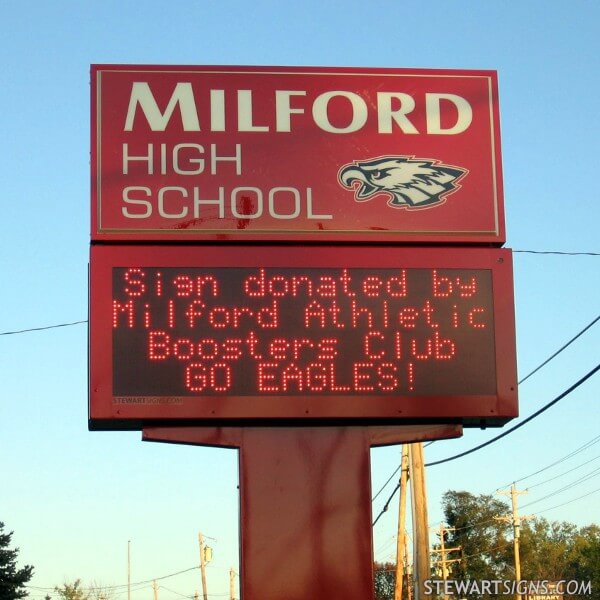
231	584
128	569
155	588
203	565
421	569
516	523
408	569
400	546
443	553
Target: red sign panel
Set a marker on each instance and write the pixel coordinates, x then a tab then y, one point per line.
222	334
311	154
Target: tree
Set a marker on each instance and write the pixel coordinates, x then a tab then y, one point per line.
385	580
483	540
548	550
12	580
586	558
72	591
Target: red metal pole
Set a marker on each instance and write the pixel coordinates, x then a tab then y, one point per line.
305	504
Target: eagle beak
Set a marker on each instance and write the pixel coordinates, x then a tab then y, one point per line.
352	174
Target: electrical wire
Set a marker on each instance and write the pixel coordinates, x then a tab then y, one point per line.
42	328
498	437
568	502
385	484
392	475
560	349
579	334
519	425
123	585
563	474
585	446
386	505
569	486
556	252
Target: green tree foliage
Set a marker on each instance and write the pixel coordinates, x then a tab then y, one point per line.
548	550
72	591
12	580
385	580
585	560
484	540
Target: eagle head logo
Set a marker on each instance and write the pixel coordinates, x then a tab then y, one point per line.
409	182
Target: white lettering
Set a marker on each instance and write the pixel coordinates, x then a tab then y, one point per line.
321	116
183	97
385	114
138	202
309	207
161	203
245	113
217	110
246	203
197	161
392	111
283	109
237	159
434	120
175	202
296	199
148	159
198	202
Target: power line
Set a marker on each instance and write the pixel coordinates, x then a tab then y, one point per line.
583	479
525	421
386	505
385	484
579	334
585	446
498	437
572	484
563	474
42	328
560	349
122	585
568	501
556	252
392	475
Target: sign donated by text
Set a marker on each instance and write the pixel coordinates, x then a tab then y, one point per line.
319	154
341	334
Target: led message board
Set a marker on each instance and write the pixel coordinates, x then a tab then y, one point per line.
303	154
221	334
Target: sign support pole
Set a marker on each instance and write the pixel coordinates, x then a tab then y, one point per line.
305	503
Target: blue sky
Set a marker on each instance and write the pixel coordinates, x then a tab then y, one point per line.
75	498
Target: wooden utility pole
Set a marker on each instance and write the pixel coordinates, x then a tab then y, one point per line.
421	568
155	589
400	545
516	523
408	569
231	584
129	570
444	552
203	565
